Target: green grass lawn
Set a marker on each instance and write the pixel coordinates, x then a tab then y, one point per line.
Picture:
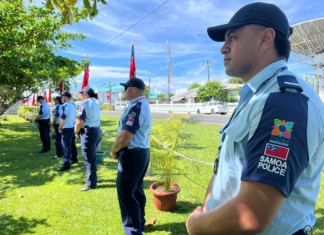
35	198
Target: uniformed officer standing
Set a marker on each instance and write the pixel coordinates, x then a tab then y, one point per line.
56	123
88	128
43	119
271	156
66	128
131	148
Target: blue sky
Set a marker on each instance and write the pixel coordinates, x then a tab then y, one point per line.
183	23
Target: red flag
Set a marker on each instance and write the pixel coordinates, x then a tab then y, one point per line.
49	95
25	100
132	69
85	82
45	96
33	102
61	88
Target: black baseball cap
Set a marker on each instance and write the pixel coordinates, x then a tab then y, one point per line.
67	94
88	90
134	82
58	98
40	98
260	13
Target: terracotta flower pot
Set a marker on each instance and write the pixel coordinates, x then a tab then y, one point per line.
165	201
27	119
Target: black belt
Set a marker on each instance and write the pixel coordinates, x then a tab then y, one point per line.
300	232
135	150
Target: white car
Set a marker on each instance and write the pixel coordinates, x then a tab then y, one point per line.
120	106
213	107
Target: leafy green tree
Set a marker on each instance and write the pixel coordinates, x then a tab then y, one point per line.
171	94
236	81
147	91
216	90
161	97
28	38
196	85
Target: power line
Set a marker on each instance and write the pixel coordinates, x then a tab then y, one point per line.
189	74
129	27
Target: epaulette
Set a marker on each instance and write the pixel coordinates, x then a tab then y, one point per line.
287	82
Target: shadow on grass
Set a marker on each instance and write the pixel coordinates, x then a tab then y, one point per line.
170	228
184	207
10	225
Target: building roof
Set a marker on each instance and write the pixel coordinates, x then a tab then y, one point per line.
106	88
193	93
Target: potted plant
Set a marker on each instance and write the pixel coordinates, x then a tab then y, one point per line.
100	155
171	136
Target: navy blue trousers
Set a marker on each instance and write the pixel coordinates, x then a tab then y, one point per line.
90	138
58	141
69	147
44	131
132	167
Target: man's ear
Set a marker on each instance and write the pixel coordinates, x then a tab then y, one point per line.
268	35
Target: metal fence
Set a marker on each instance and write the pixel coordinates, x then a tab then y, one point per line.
183	108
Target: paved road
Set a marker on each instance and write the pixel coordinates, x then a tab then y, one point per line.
207	119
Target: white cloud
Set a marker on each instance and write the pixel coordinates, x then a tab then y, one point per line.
180	90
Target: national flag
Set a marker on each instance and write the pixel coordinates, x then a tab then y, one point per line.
85	82
45	96
25	100
61	88
132	69
49	95
276	151
33	102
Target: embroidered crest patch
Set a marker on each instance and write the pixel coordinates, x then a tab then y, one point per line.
133	114
130	121
281	133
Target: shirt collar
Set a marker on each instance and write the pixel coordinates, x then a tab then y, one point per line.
264	74
131	102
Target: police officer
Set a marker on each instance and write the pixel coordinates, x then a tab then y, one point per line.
66	128
88	128
271	155
56	122
131	148
43	119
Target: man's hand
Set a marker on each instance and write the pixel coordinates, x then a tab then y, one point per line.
196	212
60	130
77	136
114	155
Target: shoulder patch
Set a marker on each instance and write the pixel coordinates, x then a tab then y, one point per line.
288	81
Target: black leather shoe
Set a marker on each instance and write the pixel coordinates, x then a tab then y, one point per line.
86	188
73	163
56	157
62	169
42	151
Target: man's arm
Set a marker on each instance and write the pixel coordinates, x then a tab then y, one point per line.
62	122
121	141
208	193
37	117
250	212
54	120
77	128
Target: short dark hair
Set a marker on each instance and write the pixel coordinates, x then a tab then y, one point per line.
281	42
282	45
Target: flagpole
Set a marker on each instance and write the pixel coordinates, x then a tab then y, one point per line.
134	56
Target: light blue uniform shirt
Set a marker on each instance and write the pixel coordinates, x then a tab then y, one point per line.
138	120
45	111
276	139
57	112
89	112
68	113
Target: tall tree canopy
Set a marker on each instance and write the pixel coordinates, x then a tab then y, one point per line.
216	90
236	81
28	38
196	85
